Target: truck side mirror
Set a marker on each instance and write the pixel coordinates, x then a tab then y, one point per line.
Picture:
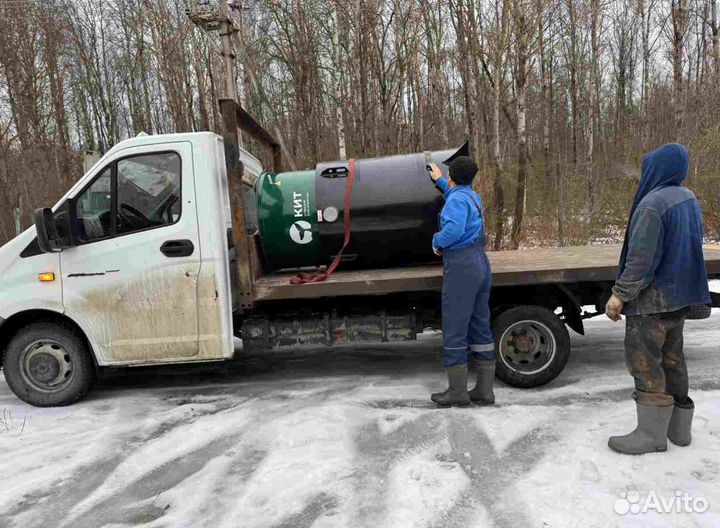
47	234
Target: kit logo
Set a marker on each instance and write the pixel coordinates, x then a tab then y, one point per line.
301	232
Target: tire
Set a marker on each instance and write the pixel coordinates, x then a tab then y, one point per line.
48	365
541	355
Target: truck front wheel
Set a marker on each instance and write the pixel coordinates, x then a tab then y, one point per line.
48	364
533	346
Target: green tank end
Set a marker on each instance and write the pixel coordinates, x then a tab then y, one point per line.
287	215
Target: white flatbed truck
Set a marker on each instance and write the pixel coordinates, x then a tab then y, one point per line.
147	260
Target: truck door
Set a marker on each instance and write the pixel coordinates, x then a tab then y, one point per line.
132	278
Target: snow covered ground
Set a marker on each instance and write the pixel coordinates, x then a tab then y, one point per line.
347	438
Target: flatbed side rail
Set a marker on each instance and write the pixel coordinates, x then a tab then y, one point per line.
510	268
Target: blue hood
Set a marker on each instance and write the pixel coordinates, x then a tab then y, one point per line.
663	167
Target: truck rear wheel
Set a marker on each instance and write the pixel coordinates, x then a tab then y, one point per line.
533	346
48	364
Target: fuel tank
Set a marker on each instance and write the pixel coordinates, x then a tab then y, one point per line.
393	212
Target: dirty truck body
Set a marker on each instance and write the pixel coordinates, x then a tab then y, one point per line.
148	260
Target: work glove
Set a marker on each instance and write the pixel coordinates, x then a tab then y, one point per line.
614	307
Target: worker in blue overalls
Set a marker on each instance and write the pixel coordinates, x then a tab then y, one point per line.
466	287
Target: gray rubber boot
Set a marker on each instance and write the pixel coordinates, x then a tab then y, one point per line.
457	393
650	436
483	391
680	430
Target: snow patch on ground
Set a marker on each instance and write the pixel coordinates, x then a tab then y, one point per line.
424	486
326	442
505	425
580	477
307	453
172	447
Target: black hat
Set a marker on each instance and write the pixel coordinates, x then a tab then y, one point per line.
463	170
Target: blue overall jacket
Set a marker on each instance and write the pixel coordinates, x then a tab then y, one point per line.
662	268
461	224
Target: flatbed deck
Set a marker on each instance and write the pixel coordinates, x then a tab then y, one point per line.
510	268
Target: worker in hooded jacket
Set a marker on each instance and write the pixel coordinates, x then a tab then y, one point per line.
466	287
662	275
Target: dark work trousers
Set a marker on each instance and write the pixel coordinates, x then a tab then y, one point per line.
654	357
465	305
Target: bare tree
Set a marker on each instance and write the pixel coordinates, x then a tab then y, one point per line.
679	28
501	43
592	87
559	98
525	25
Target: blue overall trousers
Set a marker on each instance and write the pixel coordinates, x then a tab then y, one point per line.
467	280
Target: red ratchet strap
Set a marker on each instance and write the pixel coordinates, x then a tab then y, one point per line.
320	276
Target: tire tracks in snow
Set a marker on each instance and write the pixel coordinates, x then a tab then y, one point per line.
377	453
492	474
52	505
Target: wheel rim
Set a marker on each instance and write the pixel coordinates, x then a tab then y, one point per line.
527	347
47	366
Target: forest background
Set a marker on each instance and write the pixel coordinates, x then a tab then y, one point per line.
560	99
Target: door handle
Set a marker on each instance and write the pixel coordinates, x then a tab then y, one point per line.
177	248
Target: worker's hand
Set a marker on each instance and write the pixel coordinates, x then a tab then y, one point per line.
435	173
614	307
437	251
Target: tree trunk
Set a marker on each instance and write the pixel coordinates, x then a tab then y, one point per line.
463	36
498	191
200	79
338	78
592	196
547	103
714	37
574	59
522	38
679	28
560	204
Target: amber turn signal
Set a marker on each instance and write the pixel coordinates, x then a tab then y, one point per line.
46	277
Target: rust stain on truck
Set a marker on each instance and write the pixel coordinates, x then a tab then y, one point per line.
153	317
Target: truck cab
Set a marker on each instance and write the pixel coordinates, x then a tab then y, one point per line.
135	270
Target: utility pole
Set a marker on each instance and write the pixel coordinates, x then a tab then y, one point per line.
201	13
228	52
208	19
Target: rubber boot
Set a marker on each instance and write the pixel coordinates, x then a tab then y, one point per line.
650	436
680	430
457	393
483	392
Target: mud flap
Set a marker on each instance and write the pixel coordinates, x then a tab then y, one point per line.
571	309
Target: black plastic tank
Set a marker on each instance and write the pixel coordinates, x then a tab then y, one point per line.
393	213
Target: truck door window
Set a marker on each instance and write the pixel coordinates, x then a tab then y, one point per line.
93	209
148	191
